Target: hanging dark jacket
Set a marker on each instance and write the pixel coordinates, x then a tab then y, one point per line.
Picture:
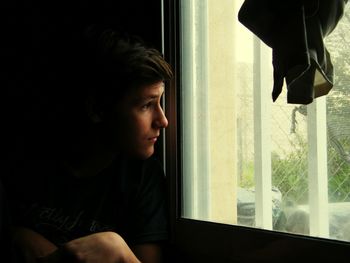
295	30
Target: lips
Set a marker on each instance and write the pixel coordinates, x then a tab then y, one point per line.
153	139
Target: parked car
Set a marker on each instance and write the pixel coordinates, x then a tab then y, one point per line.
246	208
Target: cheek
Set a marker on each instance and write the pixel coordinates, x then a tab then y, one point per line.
133	128
138	128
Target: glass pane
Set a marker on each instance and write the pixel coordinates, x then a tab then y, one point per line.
338	127
247	160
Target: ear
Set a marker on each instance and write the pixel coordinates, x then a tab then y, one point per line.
93	111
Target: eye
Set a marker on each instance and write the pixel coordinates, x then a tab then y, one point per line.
146	106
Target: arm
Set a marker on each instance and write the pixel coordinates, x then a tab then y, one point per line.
150	218
107	246
31	245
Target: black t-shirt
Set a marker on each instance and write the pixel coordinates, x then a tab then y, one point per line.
128	198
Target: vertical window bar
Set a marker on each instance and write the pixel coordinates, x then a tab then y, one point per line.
317	168
262	139
202	114
195	131
187	72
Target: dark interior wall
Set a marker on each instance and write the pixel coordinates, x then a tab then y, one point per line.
38	43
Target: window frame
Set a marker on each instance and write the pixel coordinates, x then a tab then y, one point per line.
200	241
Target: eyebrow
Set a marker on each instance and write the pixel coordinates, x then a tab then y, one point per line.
151	96
154	96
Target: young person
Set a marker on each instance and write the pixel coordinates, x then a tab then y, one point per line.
98	194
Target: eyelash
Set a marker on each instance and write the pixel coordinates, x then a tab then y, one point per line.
147	105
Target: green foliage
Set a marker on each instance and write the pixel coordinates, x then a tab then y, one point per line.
247	178
339	175
289	174
339	188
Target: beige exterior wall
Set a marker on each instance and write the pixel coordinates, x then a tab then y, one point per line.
222	112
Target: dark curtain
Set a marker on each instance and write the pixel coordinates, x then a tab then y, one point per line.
295	30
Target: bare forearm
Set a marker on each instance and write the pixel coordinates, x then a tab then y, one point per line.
107	247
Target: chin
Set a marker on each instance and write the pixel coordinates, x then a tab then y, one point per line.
146	156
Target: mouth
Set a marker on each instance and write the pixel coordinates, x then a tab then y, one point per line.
153	139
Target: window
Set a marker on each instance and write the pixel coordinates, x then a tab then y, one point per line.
249	169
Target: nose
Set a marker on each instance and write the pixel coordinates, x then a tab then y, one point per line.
160	120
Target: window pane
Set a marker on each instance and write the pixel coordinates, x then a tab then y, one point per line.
247	160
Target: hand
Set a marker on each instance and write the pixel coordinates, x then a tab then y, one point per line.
106	247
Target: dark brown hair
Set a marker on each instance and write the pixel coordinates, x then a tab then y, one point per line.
122	62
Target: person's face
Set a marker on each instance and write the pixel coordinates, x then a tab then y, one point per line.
140	119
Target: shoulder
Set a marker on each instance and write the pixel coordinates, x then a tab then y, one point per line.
144	175
146	167
138	174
